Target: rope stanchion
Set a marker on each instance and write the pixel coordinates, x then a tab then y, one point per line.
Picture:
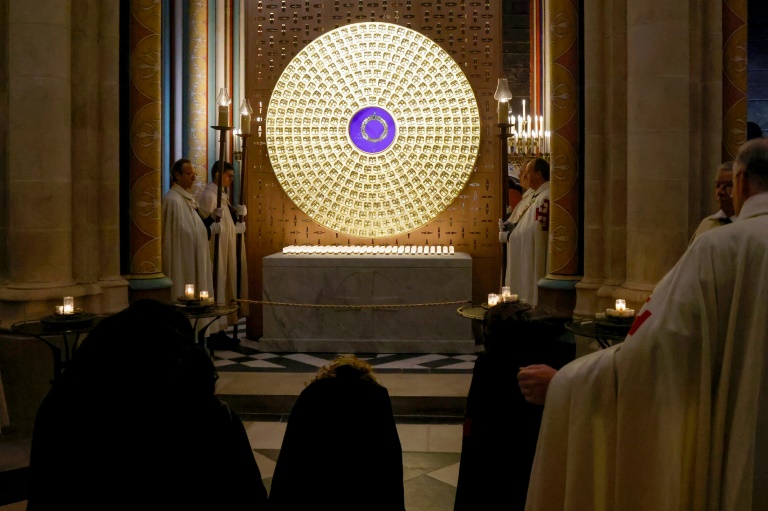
348	306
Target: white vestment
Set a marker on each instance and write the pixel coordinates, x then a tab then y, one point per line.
185	244
676	417
712	221
527	245
227	271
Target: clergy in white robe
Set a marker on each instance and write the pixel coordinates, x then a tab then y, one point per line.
186	259
526	233
676	417
226	287
726	214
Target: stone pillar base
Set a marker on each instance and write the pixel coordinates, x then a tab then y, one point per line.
27	302
586	297
155	288
558	295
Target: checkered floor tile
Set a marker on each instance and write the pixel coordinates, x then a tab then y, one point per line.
246	357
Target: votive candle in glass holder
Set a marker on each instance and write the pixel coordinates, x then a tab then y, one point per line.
59	309
493	299
621	304
203	295
506	294
189	291
69	305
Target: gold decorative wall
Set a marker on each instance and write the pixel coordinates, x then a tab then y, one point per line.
372	130
197	132
144	174
470	33
562	258
734	77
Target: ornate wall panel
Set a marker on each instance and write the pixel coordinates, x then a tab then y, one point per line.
562	261
197	99
145	154
469	31
734	76
373	130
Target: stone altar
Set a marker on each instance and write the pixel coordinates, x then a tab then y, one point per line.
367	280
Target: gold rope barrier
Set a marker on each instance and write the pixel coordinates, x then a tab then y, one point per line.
347	306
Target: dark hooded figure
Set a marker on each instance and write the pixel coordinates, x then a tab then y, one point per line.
501	427
341	439
133	423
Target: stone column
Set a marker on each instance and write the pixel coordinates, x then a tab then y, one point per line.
658	110
734	76
4	150
95	150
38	173
144	179
197	77
605	141
114	287
564	76
86	167
60	186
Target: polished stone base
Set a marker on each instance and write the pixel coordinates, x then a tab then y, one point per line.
296	284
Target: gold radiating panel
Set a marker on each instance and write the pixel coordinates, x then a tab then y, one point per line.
373	130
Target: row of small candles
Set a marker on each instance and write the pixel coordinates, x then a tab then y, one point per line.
369	250
189	293
506	296
67	308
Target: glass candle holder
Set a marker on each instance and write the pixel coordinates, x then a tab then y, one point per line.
69	305
189	291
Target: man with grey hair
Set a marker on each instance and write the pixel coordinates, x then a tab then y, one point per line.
676	416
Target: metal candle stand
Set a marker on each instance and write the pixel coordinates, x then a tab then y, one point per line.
504	135
239	240
222	147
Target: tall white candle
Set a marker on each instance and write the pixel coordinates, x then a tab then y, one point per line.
503	112
69	305
621	305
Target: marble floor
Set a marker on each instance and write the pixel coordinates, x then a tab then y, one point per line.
430	460
416	383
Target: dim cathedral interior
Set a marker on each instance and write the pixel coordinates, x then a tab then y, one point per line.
633	104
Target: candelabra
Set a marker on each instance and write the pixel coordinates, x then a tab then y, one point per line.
528	138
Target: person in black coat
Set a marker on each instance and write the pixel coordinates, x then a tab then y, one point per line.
501	425
133	423
341	439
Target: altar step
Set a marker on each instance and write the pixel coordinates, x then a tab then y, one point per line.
247	357
407	410
416	398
